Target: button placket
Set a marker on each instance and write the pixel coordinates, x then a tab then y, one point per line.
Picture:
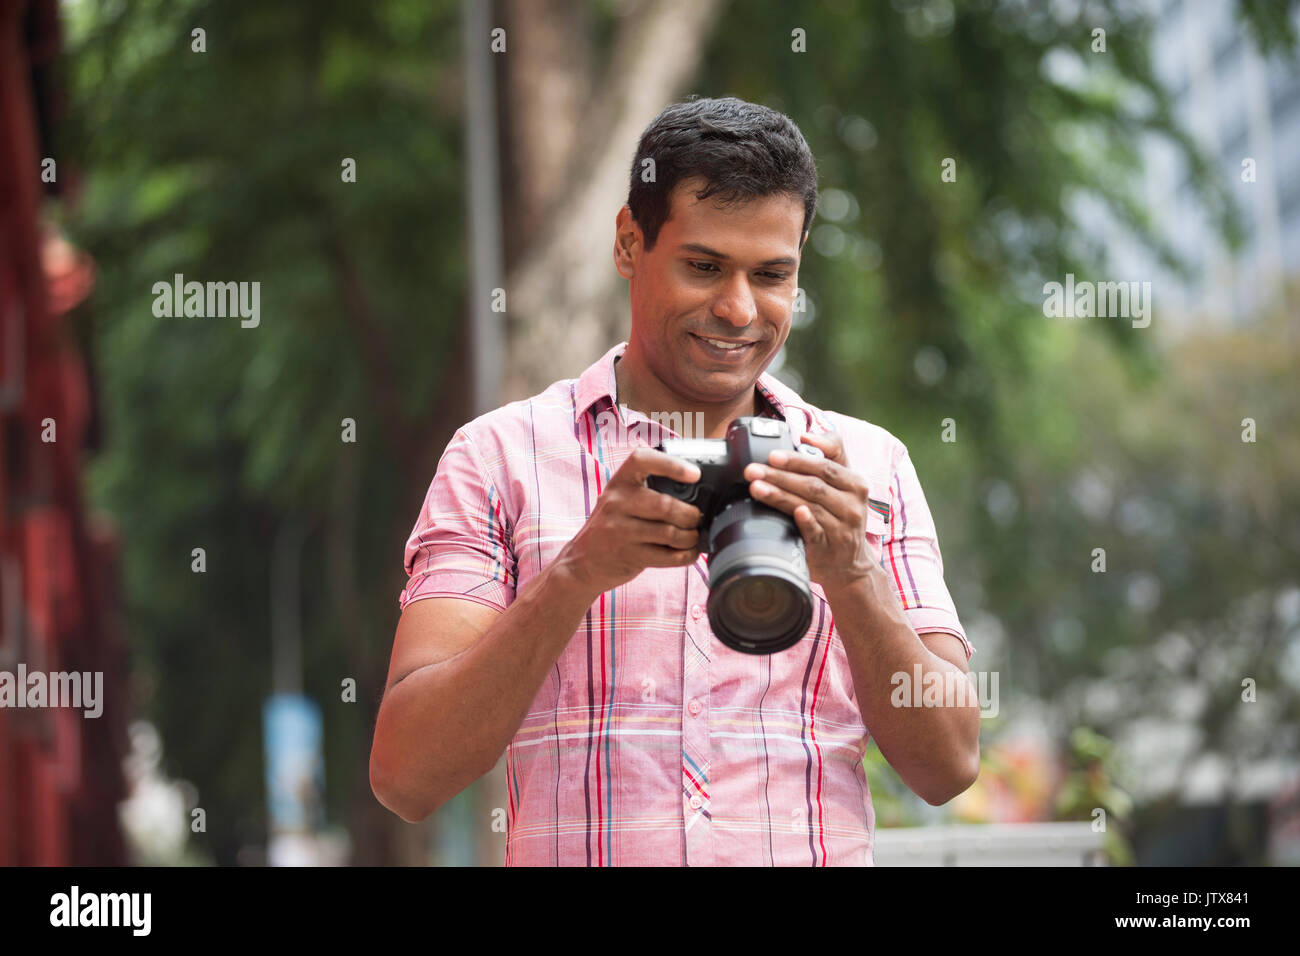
696	686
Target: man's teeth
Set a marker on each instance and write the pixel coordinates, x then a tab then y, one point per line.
725	345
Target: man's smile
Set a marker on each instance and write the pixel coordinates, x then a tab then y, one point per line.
725	350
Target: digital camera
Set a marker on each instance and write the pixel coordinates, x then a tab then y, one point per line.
760	600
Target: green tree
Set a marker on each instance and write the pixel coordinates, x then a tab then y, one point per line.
227	165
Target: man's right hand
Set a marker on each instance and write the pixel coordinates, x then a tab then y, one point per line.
634	527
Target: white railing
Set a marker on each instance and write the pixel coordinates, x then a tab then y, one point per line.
993	844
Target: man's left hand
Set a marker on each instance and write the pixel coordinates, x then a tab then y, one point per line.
828	502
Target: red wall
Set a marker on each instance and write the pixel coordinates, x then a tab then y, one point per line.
60	772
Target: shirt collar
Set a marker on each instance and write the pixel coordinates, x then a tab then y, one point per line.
598	385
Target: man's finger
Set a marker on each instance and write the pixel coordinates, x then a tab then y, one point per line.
781	499
810	489
834	474
831	444
661	556
658	506
809	526
669	535
644	462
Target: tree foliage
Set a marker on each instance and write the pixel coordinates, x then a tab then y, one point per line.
225	165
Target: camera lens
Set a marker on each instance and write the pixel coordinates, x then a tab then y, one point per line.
760	601
755	597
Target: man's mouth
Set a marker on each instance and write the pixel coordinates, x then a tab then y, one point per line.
727	347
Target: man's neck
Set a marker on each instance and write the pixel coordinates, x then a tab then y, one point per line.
642	392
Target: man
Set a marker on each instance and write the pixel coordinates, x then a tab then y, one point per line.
555	603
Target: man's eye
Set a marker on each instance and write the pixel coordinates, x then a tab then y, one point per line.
706	267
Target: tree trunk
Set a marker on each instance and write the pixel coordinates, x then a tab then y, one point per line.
568	140
565	305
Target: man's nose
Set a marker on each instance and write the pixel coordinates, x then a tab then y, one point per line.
735	302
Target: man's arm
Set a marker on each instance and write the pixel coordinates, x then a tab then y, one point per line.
462	675
460	681
935	750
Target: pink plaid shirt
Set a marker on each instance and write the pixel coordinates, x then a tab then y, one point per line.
651	742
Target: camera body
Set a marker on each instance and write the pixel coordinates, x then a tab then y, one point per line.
760	599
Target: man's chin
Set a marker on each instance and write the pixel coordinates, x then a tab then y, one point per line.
715	386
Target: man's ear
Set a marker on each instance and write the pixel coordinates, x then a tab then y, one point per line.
627	240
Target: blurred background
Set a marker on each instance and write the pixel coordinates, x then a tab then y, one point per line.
215	519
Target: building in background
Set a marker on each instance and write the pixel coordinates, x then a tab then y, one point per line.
61	776
1244	110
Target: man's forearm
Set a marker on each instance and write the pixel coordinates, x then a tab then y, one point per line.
935	750
444	725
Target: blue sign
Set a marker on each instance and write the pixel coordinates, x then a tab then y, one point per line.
295	764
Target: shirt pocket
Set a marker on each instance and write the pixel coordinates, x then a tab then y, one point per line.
880	503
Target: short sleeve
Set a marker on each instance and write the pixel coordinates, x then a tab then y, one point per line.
461	543
910	555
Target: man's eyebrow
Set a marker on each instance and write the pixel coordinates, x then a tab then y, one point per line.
713	253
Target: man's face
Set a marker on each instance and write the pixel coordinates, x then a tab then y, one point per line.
718	276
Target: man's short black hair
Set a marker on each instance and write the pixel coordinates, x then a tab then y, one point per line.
743	151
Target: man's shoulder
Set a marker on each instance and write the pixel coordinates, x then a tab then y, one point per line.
537	415
872	442
864	430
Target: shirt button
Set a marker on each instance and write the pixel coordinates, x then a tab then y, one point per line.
696	802
695	707
696	611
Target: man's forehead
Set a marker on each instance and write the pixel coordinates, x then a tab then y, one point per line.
695	221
